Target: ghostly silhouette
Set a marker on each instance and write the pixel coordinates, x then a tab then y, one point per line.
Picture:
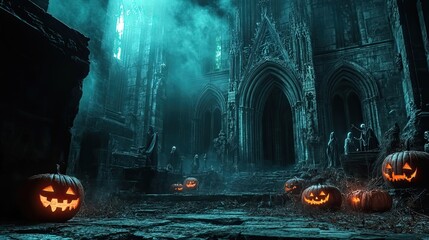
332	151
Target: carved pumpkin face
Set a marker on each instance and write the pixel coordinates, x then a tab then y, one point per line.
191	183
376	200
405	169
176	187
52	197
56	199
294	185
322	196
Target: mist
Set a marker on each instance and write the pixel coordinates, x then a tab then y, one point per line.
189	30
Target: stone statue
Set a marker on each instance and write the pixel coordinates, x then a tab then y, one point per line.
349	145
205	161
220	147
195	164
151	148
426	136
332	151
367	140
174	160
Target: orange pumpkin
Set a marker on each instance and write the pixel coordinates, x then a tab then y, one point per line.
294	185
376	200
406	169
51	197
322	196
176	187
191	183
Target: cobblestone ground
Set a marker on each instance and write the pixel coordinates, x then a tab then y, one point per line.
241	216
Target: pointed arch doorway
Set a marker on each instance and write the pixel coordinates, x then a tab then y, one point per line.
346	111
209	120
350	96
271	119
277	131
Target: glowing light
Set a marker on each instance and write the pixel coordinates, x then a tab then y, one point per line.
401	177
48	189
54	204
407	166
316	202
70	191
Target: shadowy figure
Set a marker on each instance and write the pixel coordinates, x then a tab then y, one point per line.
151	148
195	164
367	140
332	151
174	160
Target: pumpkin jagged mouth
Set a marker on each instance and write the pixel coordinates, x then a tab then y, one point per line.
317	202
288	189
54	203
402	177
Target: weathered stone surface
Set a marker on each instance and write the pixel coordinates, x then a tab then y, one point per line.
220	221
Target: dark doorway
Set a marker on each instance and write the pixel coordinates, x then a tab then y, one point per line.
355	109
277	131
211	126
216	123
207	134
339	119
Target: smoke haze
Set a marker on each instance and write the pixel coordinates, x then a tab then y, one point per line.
190	30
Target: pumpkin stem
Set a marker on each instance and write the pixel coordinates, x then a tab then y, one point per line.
58	168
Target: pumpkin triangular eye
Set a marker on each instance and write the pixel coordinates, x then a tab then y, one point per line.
311	195
388	166
406	166
322	193
70	191
48	189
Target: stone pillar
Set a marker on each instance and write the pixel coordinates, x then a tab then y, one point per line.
411	44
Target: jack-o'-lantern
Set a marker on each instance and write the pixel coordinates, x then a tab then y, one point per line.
406	169
376	200
176	187
191	183
322	196
51	197
294	185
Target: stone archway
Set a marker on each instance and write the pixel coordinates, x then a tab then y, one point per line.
208	119
349	95
266	82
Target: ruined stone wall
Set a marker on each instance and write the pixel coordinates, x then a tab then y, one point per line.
41	88
356	35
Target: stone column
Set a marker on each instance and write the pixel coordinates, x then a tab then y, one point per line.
409	40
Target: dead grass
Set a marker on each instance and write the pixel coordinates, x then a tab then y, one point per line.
406	216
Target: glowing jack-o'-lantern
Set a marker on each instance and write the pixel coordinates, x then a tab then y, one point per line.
176	187
294	185
322	196
190	183
406	169
376	200
51	197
